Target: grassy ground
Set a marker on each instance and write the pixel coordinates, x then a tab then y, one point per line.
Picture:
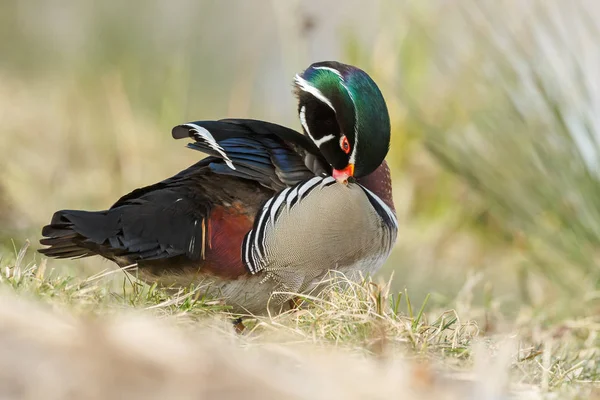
423	351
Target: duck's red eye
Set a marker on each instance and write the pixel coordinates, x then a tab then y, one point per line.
344	144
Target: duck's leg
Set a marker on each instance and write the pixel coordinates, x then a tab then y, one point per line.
238	325
288	283
294	303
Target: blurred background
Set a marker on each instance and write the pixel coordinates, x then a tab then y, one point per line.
495	109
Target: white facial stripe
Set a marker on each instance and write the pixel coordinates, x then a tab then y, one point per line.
324	139
303	121
353	154
335	71
307	87
202	134
318	142
303	84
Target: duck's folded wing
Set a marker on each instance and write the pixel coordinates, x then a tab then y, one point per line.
273	155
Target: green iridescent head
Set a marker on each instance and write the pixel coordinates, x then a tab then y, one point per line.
343	112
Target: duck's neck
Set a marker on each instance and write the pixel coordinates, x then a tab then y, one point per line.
380	183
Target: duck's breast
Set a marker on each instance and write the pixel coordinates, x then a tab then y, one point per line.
318	226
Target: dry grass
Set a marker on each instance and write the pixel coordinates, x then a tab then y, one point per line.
134	356
356	341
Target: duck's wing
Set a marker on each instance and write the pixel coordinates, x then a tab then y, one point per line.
270	154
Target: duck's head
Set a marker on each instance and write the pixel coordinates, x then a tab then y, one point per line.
343	112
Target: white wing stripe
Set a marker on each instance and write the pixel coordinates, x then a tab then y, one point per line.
205	136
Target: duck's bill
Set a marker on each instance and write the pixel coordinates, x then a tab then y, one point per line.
342	175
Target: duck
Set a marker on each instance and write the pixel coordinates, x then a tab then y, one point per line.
268	213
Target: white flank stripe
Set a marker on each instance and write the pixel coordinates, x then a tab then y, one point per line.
204	135
335	71
308	185
257	266
247	253
293	195
280	199
307	87
260	226
327	180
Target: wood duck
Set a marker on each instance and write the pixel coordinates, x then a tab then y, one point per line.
269	212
